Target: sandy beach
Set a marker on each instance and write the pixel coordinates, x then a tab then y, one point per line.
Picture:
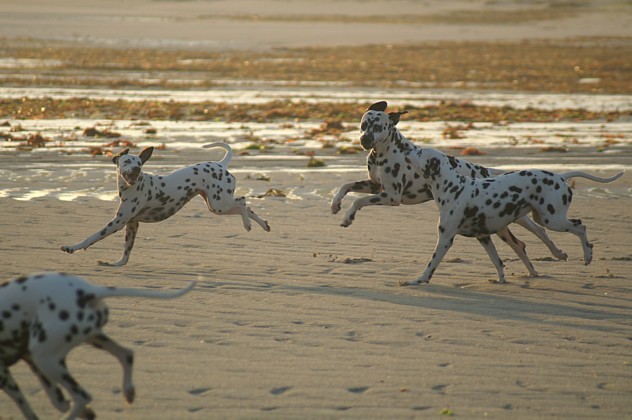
308	320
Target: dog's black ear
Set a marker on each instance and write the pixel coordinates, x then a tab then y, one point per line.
116	158
394	116
146	154
378	106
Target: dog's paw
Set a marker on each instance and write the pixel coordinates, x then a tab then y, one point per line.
67	249
109	264
130	394
104	263
335	207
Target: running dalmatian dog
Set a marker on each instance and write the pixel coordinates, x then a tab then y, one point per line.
43	317
478	207
392	181
153	198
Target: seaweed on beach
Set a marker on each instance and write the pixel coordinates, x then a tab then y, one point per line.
588	65
286	110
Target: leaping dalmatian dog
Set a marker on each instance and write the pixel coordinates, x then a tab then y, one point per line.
393	181
480	207
45	316
153	198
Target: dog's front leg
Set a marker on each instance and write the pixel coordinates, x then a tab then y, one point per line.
382	199
112	227
367	186
124	214
131	229
445	241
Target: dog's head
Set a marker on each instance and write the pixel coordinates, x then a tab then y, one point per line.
129	166
376	125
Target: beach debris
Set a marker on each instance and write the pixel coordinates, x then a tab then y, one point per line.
446	412
349	150
329	126
260	177
472	151
314	162
36	140
272	192
95	132
455	132
562	149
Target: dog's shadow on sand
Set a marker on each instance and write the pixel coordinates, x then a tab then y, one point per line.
575	314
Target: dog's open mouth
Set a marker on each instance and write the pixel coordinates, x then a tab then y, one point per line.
131	177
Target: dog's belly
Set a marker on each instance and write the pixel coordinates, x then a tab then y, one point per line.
162	207
483	222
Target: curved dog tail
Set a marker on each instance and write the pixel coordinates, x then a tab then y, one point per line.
575	174
100	292
495	172
229	152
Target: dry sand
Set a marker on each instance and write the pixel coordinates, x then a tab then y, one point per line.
307	321
296	323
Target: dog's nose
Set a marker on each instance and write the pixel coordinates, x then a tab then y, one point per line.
366	140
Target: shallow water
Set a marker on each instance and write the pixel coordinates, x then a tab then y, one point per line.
594	146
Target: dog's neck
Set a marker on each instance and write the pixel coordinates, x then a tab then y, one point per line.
395	142
438	168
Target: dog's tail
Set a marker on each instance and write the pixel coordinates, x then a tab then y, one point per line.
229	152
105	292
495	172
575	174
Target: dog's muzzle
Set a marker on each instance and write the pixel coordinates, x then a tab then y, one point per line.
132	176
366	140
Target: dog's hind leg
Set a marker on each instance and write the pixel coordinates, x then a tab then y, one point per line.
125	357
237	207
559	223
8	384
52	365
538	231
131	229
487	243
263	223
55	395
519	248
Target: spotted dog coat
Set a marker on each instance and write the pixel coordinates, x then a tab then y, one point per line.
480	207
42	318
153	198
392	181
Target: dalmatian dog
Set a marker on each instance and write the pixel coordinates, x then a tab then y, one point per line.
479	207
43	317
393	181
153	198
